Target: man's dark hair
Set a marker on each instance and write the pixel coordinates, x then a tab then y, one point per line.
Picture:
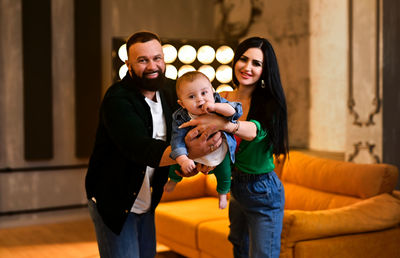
141	37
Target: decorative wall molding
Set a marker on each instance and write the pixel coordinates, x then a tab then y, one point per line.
376	101
359	146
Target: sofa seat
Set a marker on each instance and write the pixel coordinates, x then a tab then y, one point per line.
213	237
180	222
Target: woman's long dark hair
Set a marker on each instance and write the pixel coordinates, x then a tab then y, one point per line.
268	103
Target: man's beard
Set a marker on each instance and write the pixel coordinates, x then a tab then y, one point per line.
144	83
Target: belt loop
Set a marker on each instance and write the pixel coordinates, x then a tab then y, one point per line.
246	177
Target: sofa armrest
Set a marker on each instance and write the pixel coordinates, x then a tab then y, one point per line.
396	193
373	214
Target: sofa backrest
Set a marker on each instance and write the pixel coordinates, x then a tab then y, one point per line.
192	187
339	177
298	197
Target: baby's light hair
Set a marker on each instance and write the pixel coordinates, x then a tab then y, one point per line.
190	77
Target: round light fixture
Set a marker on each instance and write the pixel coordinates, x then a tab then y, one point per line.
224	87
224	54
122	53
184	69
170	53
171	72
224	74
122	71
206	54
208	71
187	54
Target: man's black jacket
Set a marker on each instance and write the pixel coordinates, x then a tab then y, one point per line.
124	147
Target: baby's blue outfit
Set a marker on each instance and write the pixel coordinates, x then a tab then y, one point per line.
178	146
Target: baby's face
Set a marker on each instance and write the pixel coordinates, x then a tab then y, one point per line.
193	95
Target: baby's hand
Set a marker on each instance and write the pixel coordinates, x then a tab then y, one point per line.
208	107
187	166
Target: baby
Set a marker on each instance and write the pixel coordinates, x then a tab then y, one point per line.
196	97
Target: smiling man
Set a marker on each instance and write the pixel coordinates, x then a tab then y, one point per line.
129	164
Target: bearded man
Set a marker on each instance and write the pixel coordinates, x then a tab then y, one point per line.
129	164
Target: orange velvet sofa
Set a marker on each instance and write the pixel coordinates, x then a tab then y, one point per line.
332	209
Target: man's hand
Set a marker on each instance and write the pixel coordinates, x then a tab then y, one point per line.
202	145
204	168
193	173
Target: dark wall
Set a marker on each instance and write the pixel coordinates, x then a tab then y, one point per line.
391	79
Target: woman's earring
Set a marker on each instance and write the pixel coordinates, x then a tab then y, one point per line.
262	84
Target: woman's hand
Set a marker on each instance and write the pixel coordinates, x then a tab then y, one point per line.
210	122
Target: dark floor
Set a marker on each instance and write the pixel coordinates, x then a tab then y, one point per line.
169	254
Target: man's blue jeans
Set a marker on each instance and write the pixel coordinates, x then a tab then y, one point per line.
136	240
256	214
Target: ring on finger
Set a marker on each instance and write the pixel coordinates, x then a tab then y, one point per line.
212	147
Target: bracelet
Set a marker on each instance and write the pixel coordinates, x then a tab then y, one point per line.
236	128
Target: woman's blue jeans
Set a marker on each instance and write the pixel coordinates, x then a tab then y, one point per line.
256	214
136	240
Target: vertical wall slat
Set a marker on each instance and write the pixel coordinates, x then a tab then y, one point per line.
38	120
87	73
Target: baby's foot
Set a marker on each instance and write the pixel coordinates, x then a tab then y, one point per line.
169	186
223	202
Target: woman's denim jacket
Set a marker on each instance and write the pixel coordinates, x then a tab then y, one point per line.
181	116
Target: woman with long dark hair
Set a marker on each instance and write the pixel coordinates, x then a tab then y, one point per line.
257	195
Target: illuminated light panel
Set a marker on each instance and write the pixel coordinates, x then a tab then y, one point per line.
206	54
170	53
224	74
184	69
187	54
171	72
224	54
208	71
122	54
224	87
122	71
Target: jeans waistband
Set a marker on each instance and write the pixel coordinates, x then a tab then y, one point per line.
238	175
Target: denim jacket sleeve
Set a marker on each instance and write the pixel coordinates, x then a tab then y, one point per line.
236	105
178	146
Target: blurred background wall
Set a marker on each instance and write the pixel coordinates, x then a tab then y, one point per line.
338	62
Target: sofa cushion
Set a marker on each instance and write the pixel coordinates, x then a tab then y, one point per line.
373	214
179	220
382	244
358	180
213	239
